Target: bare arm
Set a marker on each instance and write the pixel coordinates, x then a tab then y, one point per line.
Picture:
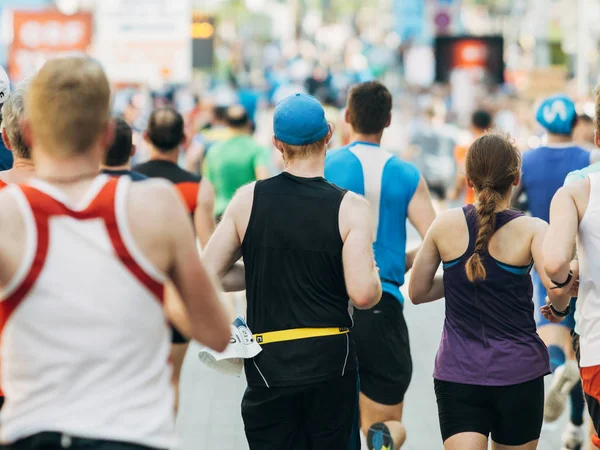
360	271
225	247
424	286
208	321
539	244
204	215
261	172
421	215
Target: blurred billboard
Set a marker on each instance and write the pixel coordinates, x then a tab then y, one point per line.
42	34
144	41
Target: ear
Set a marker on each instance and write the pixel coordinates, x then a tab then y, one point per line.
389	121
517	181
596	138
470	184
133	150
277	144
5	139
27	134
146	137
347	116
329	133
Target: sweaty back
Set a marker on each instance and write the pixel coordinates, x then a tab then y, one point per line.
292	252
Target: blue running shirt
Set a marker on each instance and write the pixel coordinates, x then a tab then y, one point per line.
388	183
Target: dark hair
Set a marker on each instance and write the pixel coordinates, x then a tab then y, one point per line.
369	107
120	150
220	112
493	165
165	129
237	117
481	119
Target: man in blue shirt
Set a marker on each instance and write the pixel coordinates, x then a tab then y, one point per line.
396	192
544	171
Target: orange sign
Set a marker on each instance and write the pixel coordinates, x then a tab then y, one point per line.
41	35
469	54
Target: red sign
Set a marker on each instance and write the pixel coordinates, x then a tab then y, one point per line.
41	35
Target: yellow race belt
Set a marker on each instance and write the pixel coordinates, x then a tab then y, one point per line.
297	333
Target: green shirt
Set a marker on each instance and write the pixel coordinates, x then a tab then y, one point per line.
577	175
231	164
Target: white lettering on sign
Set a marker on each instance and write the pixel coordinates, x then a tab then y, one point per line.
34	34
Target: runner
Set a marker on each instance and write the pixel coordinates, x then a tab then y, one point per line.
544	171
395	191
236	161
574	214
118	157
481	121
307	248
84	336
13	112
490	365
165	136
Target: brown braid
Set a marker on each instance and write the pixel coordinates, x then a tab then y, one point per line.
493	165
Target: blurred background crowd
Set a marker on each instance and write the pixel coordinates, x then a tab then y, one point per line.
442	60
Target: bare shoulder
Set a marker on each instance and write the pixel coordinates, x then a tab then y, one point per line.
10	212
153	202
354	205
244	194
450	220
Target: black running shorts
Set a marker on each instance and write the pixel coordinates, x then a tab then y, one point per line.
383	351
513	414
318	416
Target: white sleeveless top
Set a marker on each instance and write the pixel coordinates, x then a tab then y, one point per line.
588	302
84	338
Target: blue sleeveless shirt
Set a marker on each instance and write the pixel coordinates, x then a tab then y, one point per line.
489	335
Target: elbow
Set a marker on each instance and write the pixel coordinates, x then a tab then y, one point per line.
217	341
415	296
368	298
555	266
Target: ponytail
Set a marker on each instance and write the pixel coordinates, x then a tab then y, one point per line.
488	200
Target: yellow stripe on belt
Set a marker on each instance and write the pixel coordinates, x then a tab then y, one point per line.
297	333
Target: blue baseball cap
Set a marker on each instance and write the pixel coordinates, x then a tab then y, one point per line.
557	114
299	120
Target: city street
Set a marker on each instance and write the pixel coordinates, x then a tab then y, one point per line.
210	404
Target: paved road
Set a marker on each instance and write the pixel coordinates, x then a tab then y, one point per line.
210	404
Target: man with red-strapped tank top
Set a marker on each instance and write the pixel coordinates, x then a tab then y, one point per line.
85	340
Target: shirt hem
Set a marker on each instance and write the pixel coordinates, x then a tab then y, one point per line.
492	383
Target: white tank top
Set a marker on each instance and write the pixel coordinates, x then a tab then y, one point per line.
84	338
588	302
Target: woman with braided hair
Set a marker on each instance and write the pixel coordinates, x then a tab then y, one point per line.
490	365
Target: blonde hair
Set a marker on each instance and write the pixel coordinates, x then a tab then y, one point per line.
292	152
68	105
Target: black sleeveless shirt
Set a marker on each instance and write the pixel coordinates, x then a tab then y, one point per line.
292	253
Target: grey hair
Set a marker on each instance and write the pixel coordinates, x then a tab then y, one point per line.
13	113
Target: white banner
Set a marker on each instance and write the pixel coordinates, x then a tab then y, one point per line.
144	41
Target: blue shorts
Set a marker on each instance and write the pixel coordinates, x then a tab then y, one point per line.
539	299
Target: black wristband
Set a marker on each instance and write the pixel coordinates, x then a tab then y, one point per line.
564	313
562	285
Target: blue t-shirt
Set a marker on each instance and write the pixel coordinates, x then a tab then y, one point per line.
389	184
544	172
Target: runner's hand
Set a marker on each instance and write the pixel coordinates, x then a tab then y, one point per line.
548	314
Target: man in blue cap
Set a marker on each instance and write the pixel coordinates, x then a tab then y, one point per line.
544	171
396	192
307	248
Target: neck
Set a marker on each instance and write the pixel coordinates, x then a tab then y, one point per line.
22	164
67	168
116	168
307	168
559	138
370	138
171	155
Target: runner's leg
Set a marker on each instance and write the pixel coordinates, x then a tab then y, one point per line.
178	352
372	413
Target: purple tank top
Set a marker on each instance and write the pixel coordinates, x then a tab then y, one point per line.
489	335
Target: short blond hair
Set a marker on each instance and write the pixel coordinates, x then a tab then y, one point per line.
68	105
295	152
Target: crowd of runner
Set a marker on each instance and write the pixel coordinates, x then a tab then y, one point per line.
103	283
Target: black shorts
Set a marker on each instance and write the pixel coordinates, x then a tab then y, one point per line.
513	414
50	440
318	416
383	351
177	337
